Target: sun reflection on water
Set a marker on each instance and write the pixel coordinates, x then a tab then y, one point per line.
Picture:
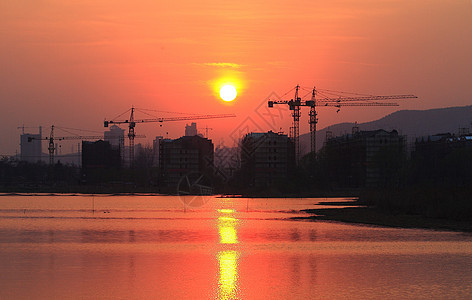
228	279
228	259
227	225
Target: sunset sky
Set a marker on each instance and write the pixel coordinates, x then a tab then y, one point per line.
75	63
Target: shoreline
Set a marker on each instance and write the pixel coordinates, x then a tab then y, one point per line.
372	216
356	212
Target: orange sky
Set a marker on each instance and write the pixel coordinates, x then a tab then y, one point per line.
75	63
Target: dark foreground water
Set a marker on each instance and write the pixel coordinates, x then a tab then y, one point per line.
150	247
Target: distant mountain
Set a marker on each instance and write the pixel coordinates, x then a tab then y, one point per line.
412	123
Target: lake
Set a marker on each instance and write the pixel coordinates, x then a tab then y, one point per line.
155	247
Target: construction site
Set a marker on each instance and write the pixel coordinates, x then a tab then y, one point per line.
116	161
102	159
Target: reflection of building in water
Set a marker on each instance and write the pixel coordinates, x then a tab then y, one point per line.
228	259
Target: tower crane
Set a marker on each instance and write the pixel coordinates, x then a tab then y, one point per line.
338	102
132	124
52	138
206	130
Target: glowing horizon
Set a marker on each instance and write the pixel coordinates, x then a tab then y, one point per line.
79	63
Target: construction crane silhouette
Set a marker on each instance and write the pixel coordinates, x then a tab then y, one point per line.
327	100
52	139
206	130
132	124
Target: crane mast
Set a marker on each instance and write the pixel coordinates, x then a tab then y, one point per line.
295	104
132	124
313	121
51	146
51	141
295	107
131	135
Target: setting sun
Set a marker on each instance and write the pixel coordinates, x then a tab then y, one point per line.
228	92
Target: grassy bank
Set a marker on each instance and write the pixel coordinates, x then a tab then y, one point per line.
373	216
436	202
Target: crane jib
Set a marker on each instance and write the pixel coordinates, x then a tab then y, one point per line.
338	102
132	124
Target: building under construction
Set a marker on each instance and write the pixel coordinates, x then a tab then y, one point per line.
364	158
116	137
30	146
266	158
99	160
185	155
438	146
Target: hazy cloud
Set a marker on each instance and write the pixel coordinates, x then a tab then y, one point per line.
221	65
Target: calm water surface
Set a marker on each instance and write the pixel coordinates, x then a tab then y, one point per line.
150	247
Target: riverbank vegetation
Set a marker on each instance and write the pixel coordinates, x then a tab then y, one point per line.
25	177
374	216
426	190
